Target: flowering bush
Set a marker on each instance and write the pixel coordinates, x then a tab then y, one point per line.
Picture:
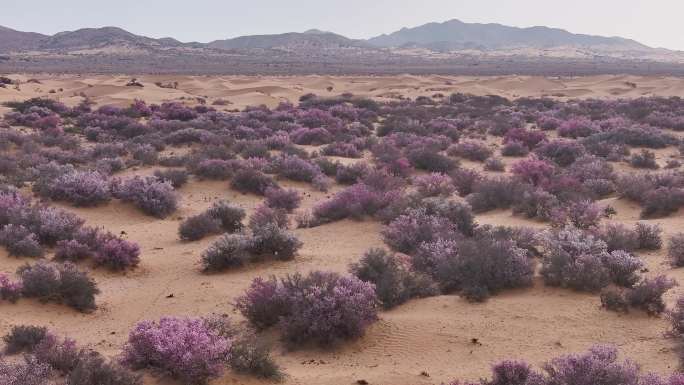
577	259
24	338
198	227
116	253
152	196
481	267
29	372
644	159
229	215
265	215
287	200
92	368
472	150
80	188
9	290
675	249
408	231
533	171
434	184
355	202
20	241
351	174
320	307
177	178
60	283
229	251
270	240
394	282
185	349
252	181
563	152
648	294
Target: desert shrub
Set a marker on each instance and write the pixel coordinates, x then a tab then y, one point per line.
252	181
9	290
472	150
434	184
215	169
295	168
644	159
675	249
495	164
199	226
341	149
321	307
533	171
529	138
614	300
252	356
61	355
489	194
584	369
80	188
514	148
265	215
649	236
183	348
676	317
582	214
229	215
562	152
92	368
116	253
618	237
408	231
394	282
327	166
465	180
283	199
353	202
61	283
72	251
482	267
536	203
152	196
428	159
24	338
576	127
270	240
52	225
622	267
177	178
263	303
648	294
311	136
351	174
20	241
573	258
661	202
229	251
29	372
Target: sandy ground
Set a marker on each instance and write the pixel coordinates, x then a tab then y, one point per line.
243	91
431	336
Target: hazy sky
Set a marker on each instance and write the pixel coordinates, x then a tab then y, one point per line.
658	23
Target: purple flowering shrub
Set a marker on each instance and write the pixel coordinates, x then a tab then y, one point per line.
434	184
62	283
176	177
675	249
579	260
471	150
183	348
395	283
598	366
320	307
150	195
80	188
252	181
29	372
408	231
284	199
353	202
9	290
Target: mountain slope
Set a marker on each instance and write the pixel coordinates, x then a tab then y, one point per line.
309	40
455	34
94	38
11	40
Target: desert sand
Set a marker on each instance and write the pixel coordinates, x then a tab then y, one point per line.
427	341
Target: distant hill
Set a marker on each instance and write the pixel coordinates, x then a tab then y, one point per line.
97	38
11	40
457	35
309	40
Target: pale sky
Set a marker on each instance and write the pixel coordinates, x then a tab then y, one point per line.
657	23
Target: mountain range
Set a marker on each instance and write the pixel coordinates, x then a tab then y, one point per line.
448	47
450	36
